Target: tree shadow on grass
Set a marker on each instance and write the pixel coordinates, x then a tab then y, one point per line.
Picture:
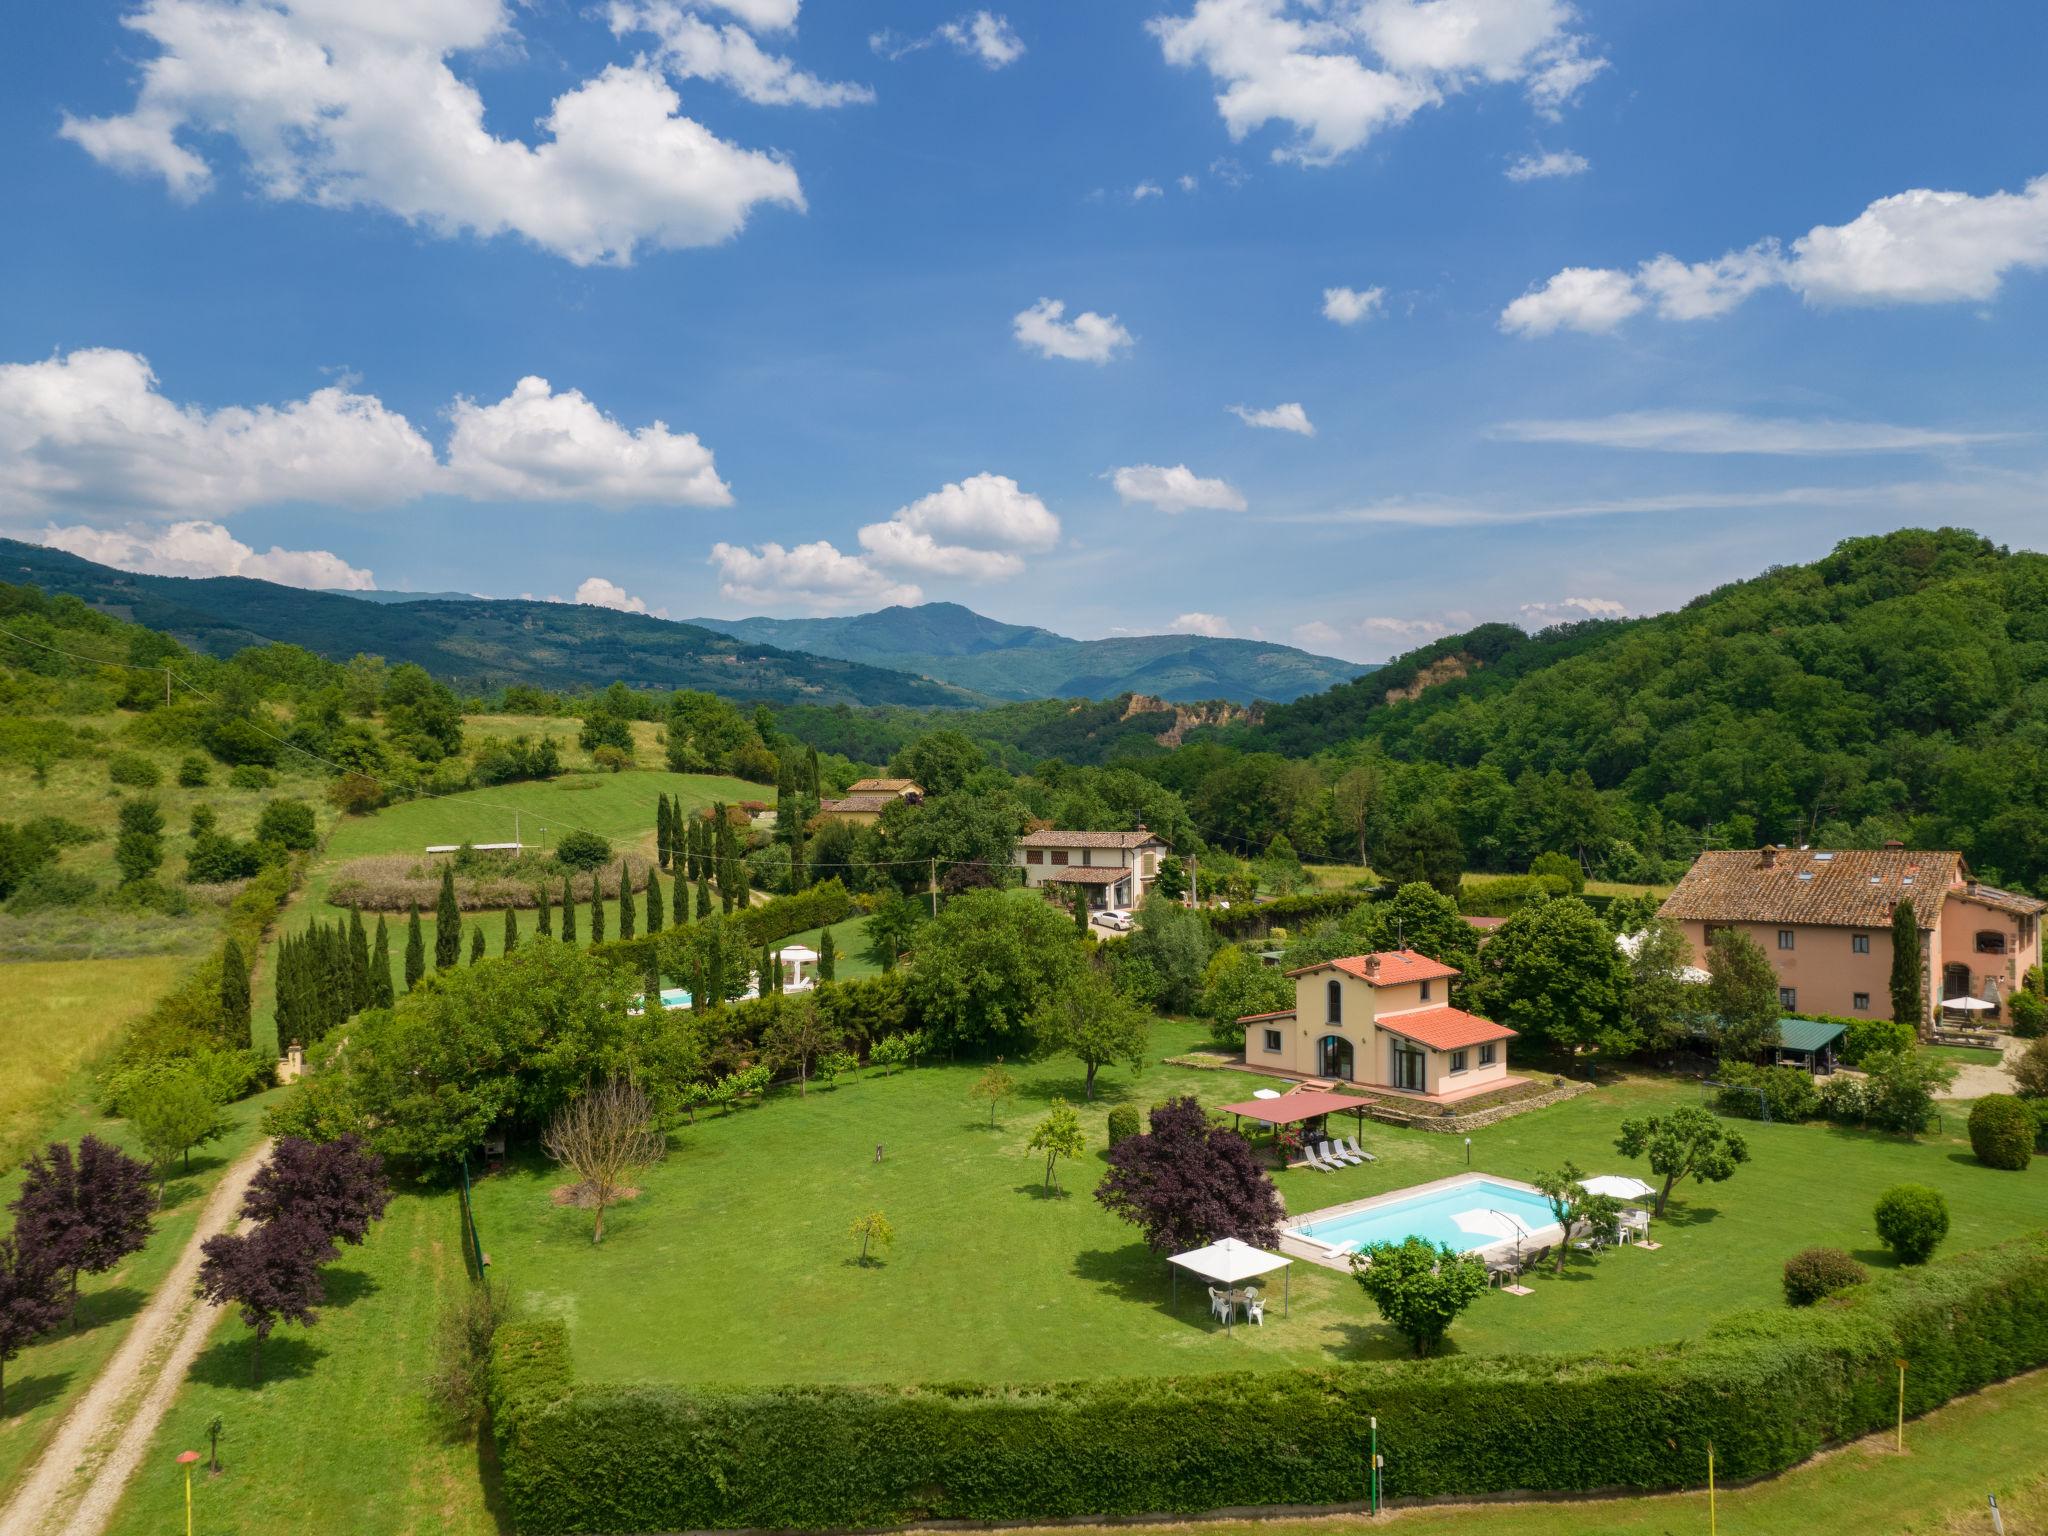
1378	1341
855	1261
1108	1090
286	1357
96	1308
1038	1190
345	1287
490	1473
1687	1215
1135	1274
25	1394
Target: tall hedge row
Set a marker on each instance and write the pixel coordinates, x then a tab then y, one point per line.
818	907
1767	1388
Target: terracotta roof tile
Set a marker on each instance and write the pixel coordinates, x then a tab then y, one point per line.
1445	1028
1388	968
1052	838
1260	1018
859	803
884	786
1841	888
1077	874
2003	901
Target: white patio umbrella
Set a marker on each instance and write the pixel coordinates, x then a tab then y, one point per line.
1969	1004
1265	1093
1228	1262
1619	1185
1489	1222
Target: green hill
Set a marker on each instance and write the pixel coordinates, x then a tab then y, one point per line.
473	645
1897	688
1020	662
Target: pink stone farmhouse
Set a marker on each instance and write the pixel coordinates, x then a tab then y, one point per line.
1824	916
1383	1021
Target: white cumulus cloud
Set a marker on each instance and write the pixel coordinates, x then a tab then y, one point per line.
977	529
817	576
355	105
1214	625
692	47
200	548
981	35
1570	610
1339	73
1175	489
537	445
1548	165
1316	635
1348	306
599	592
1087	338
1287	417
1916	247
92	434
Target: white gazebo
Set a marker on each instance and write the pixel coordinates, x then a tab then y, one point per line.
1228	1262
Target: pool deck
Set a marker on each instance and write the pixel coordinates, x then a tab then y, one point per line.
1298	1247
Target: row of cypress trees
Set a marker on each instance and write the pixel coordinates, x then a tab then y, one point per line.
329	972
701	849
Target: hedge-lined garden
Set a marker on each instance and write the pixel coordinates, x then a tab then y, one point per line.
1766	1388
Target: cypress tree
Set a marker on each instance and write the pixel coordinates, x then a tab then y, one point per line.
476	943
703	898
380	966
415	951
828	957
597	906
664	833
511	930
626	912
656	919
447	922
714	966
1907	1005
358	962
234	993
1081	909
817	783
771	973
568	912
546	927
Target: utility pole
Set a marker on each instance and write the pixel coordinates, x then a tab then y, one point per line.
167	683
934	886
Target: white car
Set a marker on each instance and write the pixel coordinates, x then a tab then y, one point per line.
1115	918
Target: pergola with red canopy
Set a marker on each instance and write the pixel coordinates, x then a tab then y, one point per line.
1303	1104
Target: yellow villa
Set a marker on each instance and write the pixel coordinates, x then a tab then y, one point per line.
1383	1021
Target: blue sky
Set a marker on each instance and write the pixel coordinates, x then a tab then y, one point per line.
746	307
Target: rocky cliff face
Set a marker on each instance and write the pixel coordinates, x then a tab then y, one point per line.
1445	669
1187	716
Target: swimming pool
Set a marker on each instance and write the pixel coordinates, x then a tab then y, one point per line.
671	997
1466	1213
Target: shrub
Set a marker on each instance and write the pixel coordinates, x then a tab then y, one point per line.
1911	1221
2002	1131
1869	1037
1124	1122
288	822
194	772
582	850
1784	1093
215	857
49	888
1559	866
2030	1072
133	771
2029	1014
459	1377
250	776
1816	1272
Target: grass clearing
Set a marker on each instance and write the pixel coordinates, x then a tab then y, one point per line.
1964	1055
992	1279
60	1015
48	1377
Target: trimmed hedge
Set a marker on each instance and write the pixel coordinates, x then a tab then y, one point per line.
823	904
1286	911
2002	1131
1769	1388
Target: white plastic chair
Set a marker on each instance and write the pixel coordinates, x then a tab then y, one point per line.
1255	1307
1219	1304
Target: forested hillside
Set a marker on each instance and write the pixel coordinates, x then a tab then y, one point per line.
475	646
1896	688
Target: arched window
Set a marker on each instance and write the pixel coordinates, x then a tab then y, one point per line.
1336	991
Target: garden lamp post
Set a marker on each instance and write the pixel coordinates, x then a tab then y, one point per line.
185	1460
1468	1151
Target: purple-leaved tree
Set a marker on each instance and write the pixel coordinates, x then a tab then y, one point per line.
272	1274
83	1214
1189	1183
338	1186
31	1302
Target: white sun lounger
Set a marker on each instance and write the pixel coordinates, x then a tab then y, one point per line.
1358	1153
1334	1153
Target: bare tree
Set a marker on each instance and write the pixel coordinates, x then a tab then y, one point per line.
602	1137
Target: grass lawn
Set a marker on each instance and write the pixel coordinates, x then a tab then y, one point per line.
47	1378
619	806
1963	1055
337	1439
1983	1444
60	1014
733	1264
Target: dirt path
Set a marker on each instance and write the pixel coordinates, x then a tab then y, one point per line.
73	1488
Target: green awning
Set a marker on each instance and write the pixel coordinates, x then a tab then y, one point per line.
1807	1035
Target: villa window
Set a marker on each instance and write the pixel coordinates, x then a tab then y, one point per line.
1990	942
1488	1053
1034	856
1457	1062
1335	993
1059	855
1273	1041
1784	938
1086	858
1425	991
1788	997
1859	943
1861	1002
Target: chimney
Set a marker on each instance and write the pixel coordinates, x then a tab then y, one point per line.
1767	857
1372	967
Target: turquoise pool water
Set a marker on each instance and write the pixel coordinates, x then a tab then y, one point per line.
1465	1216
671	997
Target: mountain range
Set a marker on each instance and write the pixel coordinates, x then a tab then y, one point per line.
1020	661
